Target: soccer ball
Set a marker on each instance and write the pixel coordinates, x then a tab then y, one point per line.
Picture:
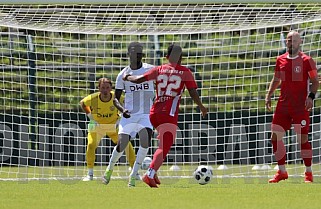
146	162
203	174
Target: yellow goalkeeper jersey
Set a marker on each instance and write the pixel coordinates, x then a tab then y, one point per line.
102	112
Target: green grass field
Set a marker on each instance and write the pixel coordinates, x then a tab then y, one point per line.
173	193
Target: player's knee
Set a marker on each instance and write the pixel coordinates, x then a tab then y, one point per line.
278	128
145	133
121	146
144	145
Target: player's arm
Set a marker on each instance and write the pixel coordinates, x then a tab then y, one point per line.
85	108
314	79
134	79
118	104
274	84
313	75
194	95
191	85
147	76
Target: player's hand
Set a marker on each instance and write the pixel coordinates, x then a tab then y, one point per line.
268	103
126	114
203	111
308	104
125	76
92	125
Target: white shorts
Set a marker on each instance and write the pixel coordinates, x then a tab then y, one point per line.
131	126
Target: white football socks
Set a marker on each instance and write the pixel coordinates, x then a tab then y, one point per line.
141	154
114	158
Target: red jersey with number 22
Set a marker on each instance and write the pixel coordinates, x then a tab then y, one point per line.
170	84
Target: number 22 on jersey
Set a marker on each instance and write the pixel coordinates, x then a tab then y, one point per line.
168	84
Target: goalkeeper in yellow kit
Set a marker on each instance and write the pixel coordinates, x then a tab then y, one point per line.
103	117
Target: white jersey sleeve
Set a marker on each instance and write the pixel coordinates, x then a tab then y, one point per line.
119	80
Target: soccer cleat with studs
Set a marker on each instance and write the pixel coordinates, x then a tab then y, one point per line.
156	179
132	181
107	176
279	176
150	182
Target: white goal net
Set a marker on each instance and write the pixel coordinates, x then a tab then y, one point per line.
52	56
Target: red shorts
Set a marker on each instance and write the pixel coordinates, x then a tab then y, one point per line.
163	123
160	118
282	121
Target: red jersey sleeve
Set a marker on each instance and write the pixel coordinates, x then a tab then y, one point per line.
312	68
189	80
151	74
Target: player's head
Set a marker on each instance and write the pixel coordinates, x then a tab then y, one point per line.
293	42
135	53
104	86
174	54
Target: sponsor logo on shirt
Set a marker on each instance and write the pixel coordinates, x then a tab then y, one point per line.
104	115
138	87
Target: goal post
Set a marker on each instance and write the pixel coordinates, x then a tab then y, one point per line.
53	54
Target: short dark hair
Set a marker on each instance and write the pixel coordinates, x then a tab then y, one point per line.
104	80
136	46
174	53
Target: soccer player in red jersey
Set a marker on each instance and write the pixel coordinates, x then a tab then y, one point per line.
294	71
171	80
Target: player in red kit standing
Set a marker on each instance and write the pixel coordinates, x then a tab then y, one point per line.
171	80
294	71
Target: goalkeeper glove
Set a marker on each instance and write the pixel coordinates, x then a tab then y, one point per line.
92	124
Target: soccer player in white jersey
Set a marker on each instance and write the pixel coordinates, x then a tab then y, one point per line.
135	120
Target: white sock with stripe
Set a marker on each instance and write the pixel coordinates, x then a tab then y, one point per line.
114	158
141	154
